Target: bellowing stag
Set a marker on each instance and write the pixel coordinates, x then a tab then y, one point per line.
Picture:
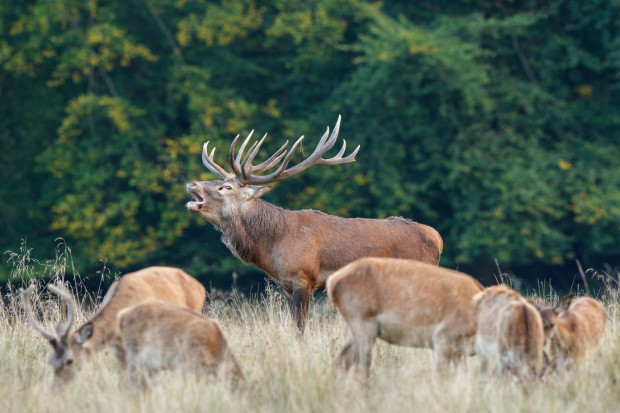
72	350
298	249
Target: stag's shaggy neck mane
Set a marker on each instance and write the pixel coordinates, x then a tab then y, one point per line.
248	234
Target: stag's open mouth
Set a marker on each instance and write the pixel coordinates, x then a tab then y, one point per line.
197	197
193	206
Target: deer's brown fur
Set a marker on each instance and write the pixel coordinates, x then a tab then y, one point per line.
299	249
573	329
403	302
72	350
509	333
157	335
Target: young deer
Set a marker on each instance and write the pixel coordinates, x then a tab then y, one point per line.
403	302
159	336
72	350
299	250
509	333
573	328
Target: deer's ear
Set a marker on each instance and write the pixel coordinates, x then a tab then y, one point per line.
257	191
564	304
84	334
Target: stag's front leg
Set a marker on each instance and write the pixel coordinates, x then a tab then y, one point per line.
299	301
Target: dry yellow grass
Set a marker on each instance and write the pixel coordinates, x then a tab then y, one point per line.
292	374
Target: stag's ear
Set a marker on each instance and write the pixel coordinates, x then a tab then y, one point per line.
257	191
84	334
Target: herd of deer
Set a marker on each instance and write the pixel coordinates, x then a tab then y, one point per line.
381	274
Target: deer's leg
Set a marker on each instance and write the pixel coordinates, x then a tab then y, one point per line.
299	302
346	358
137	377
364	334
121	363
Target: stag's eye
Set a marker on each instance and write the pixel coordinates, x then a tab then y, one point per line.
226	187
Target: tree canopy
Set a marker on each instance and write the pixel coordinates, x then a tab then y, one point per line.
494	122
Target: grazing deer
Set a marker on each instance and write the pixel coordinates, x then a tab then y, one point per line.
509	333
403	302
72	350
157	336
573	328
298	249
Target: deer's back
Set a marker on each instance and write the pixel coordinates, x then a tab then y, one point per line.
409	299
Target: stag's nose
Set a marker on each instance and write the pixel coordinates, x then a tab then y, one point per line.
191	186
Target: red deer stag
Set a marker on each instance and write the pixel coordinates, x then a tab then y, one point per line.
403	302
510	333
72	350
298	249
573	328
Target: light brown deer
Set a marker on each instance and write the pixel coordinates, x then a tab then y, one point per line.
298	249
159	336
403	302
72	350
509	333
573	328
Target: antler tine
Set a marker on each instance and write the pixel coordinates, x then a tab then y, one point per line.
272	161
240	153
252	153
231	158
275	176
61	291
208	161
247	167
338	159
25	297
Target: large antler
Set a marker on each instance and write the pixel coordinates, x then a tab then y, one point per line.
25	296
62	329
244	171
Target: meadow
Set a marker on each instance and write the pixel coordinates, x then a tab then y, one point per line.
286	372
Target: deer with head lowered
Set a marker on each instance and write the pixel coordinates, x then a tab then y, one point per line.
299	250
72	350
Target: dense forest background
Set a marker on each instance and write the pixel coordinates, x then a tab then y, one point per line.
495	121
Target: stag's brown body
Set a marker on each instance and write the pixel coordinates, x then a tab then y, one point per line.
573	329
299	249
157	336
72	350
403	302
509	333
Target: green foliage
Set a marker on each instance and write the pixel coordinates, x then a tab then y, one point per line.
495	122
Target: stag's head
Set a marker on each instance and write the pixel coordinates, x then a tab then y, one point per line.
215	200
69	354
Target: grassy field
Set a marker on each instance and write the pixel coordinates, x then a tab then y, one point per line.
288	373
